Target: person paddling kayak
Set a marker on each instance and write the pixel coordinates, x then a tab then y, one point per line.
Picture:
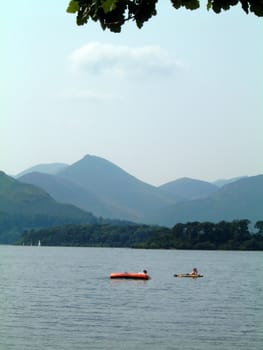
194	272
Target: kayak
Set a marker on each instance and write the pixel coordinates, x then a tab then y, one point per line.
130	275
188	275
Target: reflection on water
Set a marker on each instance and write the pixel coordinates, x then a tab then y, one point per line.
63	298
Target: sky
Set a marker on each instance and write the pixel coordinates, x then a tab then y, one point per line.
181	97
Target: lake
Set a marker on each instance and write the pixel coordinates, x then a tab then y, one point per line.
63	299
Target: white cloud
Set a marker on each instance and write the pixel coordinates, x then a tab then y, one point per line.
122	61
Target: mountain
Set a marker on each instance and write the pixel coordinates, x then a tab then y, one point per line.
52	168
99	186
129	198
223	182
242	199
188	189
64	190
23	206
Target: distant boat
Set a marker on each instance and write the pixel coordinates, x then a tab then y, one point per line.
39	243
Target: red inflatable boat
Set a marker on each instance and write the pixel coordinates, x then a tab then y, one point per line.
130	275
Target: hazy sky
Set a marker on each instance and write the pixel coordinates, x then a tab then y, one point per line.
182	97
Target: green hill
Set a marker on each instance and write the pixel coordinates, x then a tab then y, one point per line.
25	206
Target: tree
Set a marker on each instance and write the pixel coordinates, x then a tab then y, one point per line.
240	230
113	14
259	226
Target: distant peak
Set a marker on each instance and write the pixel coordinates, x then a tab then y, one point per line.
185	179
87	156
90	156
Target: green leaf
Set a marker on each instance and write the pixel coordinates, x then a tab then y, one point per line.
188	4
73	6
192	4
108	5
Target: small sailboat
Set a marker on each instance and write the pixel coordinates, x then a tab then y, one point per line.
39	243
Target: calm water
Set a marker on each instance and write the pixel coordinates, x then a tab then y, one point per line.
62	299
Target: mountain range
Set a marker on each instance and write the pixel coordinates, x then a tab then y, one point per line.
95	189
242	199
96	185
99	186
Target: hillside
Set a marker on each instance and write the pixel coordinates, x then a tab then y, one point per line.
130	198
64	190
223	182
52	168
242	199
188	189
23	206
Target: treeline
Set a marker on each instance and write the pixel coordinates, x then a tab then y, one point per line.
235	235
224	235
98	235
12	225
